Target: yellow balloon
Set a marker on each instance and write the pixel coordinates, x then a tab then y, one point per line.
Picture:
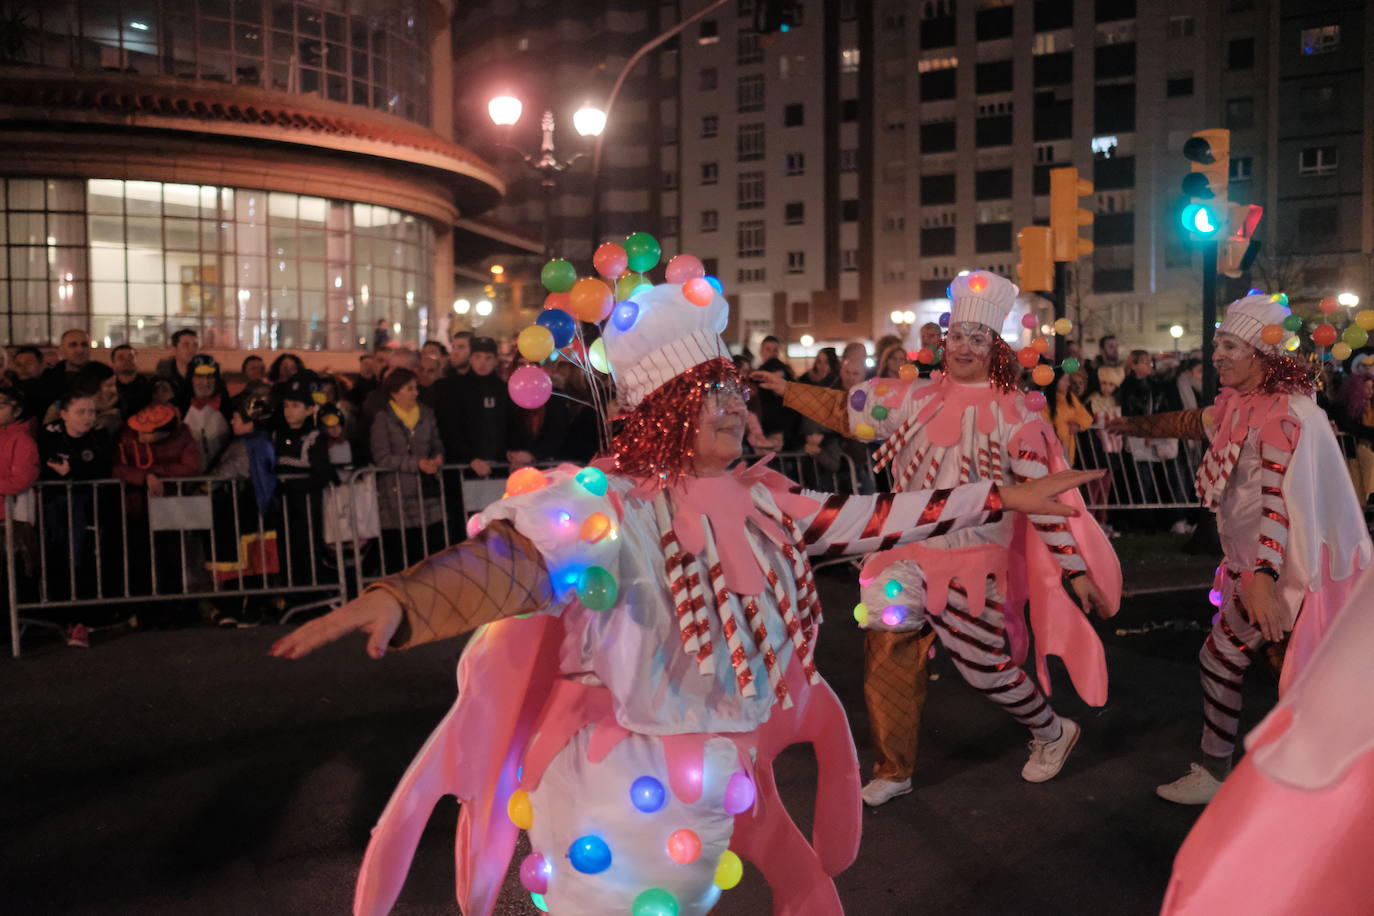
535	343
520	810
729	871
596	354
1365	319
1063	326
1341	351
861	614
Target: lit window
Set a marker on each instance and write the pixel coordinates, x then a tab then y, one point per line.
849	60
1104	147
1321	40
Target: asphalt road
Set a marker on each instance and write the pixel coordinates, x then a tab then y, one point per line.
185	772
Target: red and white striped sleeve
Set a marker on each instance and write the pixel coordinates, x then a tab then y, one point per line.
845	525
1027	464
1273	526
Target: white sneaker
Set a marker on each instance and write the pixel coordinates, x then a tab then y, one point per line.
1047	757
1196	788
881	791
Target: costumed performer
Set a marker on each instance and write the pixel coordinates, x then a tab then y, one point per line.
968	587
630	724
1291	530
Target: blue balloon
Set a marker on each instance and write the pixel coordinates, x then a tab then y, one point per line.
716	283
590	854
559	323
625	315
647	794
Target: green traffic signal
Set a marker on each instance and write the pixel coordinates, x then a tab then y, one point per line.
1202	221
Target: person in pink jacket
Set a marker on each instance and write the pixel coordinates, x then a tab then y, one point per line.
18	453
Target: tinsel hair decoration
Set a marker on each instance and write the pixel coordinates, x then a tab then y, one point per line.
1285	375
1003	370
658	438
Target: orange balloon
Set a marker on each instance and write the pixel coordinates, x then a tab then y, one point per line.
526	480
1027	357
596	527
591	299
1324	335
557	301
908	373
1040	345
684	846
698	291
1272	334
1042	375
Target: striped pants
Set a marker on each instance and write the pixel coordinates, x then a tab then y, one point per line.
894	682
1226	654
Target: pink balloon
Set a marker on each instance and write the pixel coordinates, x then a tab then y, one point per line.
530	387
1035	401
684	267
698	291
1029	321
610	260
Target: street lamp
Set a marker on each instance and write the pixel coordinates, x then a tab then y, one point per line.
1350	300
1175	331
461	306
902	320
505	111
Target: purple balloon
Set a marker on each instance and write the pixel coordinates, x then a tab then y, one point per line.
858	399
535	871
625	315
739	793
944	320
530	386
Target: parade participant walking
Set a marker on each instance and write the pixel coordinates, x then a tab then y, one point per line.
1291	528
968	587
630	724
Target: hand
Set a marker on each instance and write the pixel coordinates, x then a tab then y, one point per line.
769	381
813	443
1260	601
519	459
374	612
429	465
1036	497
155	487
62	466
480	468
1090	596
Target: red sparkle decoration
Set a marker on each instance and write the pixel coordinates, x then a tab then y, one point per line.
1285	375
658	438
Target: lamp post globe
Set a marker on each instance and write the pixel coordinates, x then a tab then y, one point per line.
505	110
589	121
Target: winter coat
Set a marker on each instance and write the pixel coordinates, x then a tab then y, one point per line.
90	456
477	418
400	495
18	461
175	456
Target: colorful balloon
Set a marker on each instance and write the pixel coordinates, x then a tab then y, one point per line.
519	809
560	325
1072	365
625	314
1324	335
526	480
654	902
1063	326
557	301
892	589
589	854
861	614
596	355
1042	375
610	260
1040	345
558	276
698	292
944	320
1364	318
1028	356
596	527
1035	401
858	398
1328	305
729	871
593	480
684	846
925	355
1292	323
1355	336
879	412
1341	351
908	372
627	284
893	615
977	282
643	251
1271	334
647	794
684	267
591	299
535	343
1029	321
530	387
716	284
739	793
597	589
535	871
864	431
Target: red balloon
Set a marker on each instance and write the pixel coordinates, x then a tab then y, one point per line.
1328	306
924	355
684	267
698	291
610	260
558	301
1324	335
1027	357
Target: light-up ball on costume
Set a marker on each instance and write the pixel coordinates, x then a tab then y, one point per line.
1214	597
597	589
610	260
475	525
861	614
589	854
684	846
591	299
1341	351
716	284
925	355
944	320
1072	365
1035	401
647	794
1272	334
1255	291
539	902
1324	335
526	480
1063	326
892	589
684	267
1292	323
1280	298
1355	336
1027	356
698	292
643	251
593	480
519	809
560	325
535	871
558	276
879	412
556	301
893	615
858	399
881	389
596	355
530	387
627	284
909	373
739	793
564	518
1328	305
654	902
535	343
1042	375
977	283
596	527
625	314
1364	318
1292	343
865	431
729	871
1029	321
1040	345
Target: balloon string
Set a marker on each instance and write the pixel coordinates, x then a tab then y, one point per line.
559	394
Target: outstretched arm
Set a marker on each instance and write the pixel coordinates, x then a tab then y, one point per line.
823	405
1178	424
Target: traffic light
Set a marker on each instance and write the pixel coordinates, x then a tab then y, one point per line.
1066	216
776	16
1240	248
1206	216
1035	270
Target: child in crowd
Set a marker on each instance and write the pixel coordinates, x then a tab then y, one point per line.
245	509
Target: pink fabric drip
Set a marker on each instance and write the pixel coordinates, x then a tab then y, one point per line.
1237	414
1319	609
971	566
942	417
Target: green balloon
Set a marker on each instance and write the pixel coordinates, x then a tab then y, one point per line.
1355	336
655	902
643	251
1071	365
879	412
597	589
625	286
1292	323
558	276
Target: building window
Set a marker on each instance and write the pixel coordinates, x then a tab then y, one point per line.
1240	54
938	85
1104	147
1113	10
849	60
849	160
749	191
747	48
1320	40
710	173
992	184
895	271
989	237
849	110
794	214
1120	280
794	115
670	225
1318	160
1114	229
994	131
992	76
937	189
796	262
1317	222
1179	85
1241	168
710	126
1181	26
1314	100
894	222
799	313
993	23
749	142
937	137
751	274
1114	108
1115	174
708	33
849	211
1052	15
710	76
795	164
1240	113
749	239
669	179
710	220
749	93
849	310
849	259
937	241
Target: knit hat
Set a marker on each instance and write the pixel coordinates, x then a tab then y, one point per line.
665	336
1247	318
983	298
